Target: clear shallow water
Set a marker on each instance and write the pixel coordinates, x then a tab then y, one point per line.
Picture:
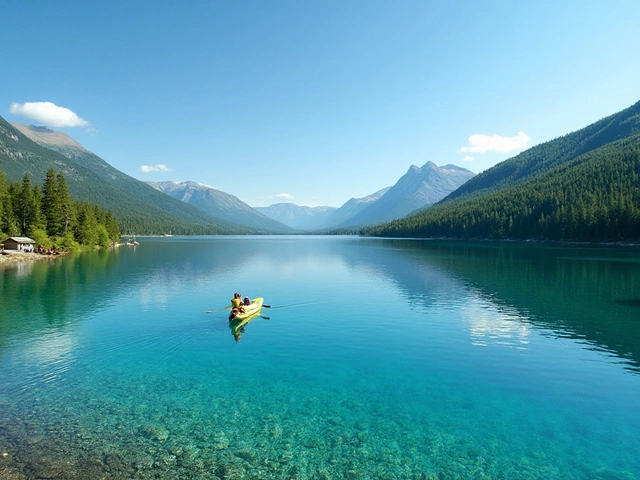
378	359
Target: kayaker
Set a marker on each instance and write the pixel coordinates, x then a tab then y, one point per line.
247	301
236	302
234	313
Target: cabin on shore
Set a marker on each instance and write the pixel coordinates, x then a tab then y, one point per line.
1	247
18	244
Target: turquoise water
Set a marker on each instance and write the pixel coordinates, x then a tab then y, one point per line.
377	359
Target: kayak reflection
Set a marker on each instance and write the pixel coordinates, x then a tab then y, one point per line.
237	326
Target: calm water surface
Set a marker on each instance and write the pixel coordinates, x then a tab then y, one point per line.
377	359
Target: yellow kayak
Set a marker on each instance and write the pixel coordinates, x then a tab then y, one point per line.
249	310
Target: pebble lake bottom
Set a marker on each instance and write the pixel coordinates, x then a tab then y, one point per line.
378	359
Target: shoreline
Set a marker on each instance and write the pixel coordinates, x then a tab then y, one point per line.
26	257
13	258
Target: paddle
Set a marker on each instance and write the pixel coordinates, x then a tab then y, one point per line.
228	307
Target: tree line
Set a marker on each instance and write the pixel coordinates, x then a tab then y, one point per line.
592	198
51	217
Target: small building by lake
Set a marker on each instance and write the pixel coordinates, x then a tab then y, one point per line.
18	244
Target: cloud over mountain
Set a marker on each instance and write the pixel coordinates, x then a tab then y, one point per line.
479	143
48	114
159	167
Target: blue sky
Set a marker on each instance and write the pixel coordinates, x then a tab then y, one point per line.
314	102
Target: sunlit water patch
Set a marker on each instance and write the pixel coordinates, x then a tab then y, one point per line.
375	359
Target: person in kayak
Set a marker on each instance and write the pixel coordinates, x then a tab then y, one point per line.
236	302
247	301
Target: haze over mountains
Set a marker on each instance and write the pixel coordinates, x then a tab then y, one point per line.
297	216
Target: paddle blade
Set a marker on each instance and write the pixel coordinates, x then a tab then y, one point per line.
228	307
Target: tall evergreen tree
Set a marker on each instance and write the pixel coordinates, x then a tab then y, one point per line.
112	227
4	201
38	222
85	230
65	203
26	206
50	207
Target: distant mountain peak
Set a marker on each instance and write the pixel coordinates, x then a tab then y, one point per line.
451	166
418	188
41	128
49	138
219	204
296	216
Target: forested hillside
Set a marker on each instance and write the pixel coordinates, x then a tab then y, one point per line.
51	217
594	197
139	208
545	156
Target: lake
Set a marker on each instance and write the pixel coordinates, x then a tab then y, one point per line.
378	358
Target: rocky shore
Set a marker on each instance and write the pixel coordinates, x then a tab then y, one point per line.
18	257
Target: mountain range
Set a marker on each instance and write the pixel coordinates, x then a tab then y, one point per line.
193	208
418	188
219	204
138	207
583	186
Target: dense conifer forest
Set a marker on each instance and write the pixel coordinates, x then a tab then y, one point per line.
51	217
593	197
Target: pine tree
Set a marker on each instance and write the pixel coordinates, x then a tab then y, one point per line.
38	222
26	206
85	230
65	203
50	207
4	202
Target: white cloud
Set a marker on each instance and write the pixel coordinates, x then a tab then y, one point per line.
48	114
467	159
479	143
155	168
284	196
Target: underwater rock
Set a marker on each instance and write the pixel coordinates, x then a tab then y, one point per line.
167	460
276	431
246	455
220	441
336	421
113	461
323	474
143	461
155	432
